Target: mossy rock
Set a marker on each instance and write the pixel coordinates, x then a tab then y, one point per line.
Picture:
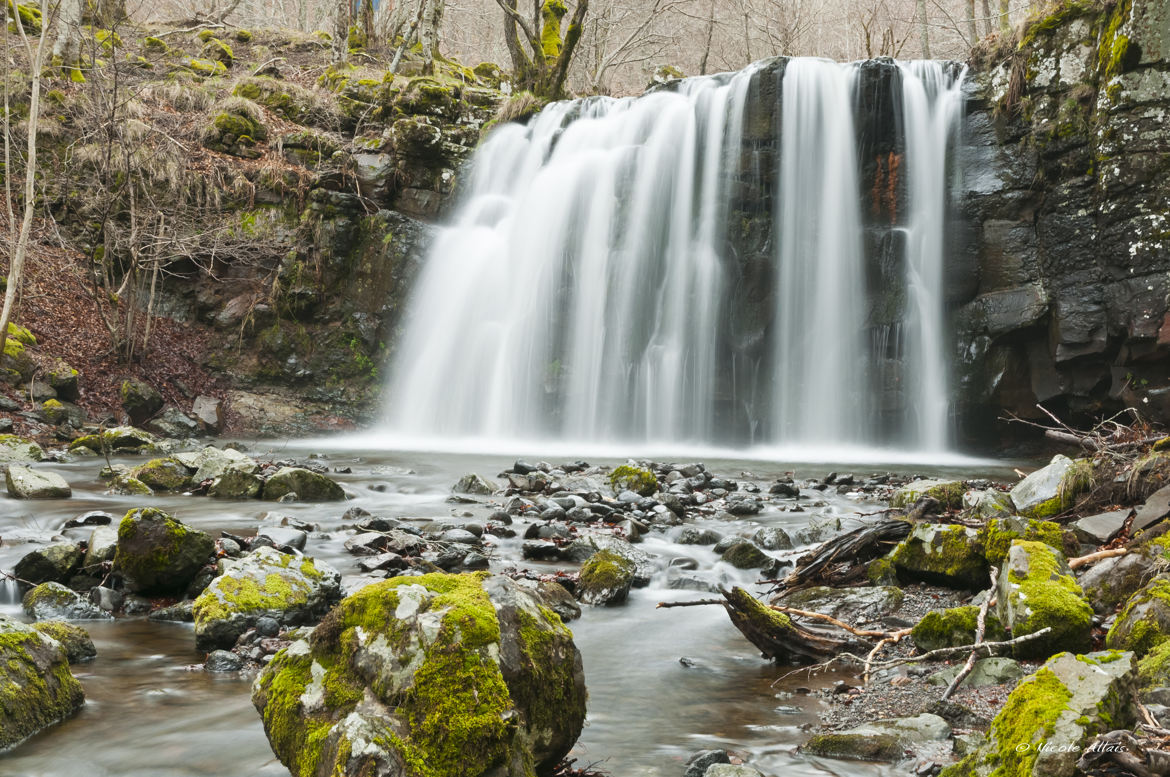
605	578
17	449
948	492
427	97
1037	589
236	131
308	486
944	555
438	675
162	475
265	583
120	439
489	74
1053	715
1053	489
63	379
418	139
997	536
157	554
50	563
27	483
124	485
140	400
30	18
745	555
1144	622
1154	667
75	640
215	49
205	68
243	36
53	601
855	747
954	627
36	688
236	484
630	478
156	46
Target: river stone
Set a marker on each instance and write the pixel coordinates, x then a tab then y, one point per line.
223	661
1037	589
1100	528
1051	490
76	640
53	601
157	554
173	423
692	535
167	474
583	548
948	492
265	583
36	688
944	555
605	578
211	462
729	770
103	544
996	670
120	439
1111	581
284	536
987	504
1053	714
308	486
236	484
474	484
745	555
698	763
882	740
50	563
1144	622
772	538
852	605
18	449
467	674
26	483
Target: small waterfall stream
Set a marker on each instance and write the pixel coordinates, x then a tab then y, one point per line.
691	267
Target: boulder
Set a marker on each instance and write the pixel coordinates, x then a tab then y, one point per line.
18	449
51	563
265	583
772	538
852	605
173	423
157	554
1100	528
212	462
998	534
140	400
1111	581
1155	508
36	688
1144	622
1052	715
208	412
630	478
882	740
583	548
120	439
691	535
162	475
26	483
987	504
605	578
945	555
440	674
1037	589
745	555
102	545
1051	490
953	627
53	601
308	486
949	493
76	640
996	670
236	484
474	484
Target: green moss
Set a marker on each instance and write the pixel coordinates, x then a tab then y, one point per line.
170	548
1114	46
205	35
240	126
205	68
167	474
1027	720
551	14
108	39
245	595
1064	12
1137	627
855	747
881	571
606	570
29	15
1154	667
243	36
1054	599
21	335
997	536
952	556
636	479
155	46
953	627
36	690
216	49
949	493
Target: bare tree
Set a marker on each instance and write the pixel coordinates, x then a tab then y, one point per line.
540	52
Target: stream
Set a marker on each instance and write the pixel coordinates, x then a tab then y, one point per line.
152	711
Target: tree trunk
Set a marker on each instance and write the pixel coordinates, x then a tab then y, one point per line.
428	32
972	33
67	46
924	29
710	35
1005	21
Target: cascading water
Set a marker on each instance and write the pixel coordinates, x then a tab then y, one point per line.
675	269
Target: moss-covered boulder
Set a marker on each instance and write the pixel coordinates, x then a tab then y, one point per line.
265	583
1036	589
36	688
953	627
120	439
605	578
1053	715
76	640
140	400
26	483
1144	622
997	536
162	475
158	554
55	602
630	478
212	462
745	555
1154	667
236	130
439	675
1111	581
987	504
235	484
52	563
63	379
1052	489
215	49
17	449
308	486
948	492
122	484
946	555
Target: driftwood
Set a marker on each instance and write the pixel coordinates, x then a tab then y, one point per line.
818	616
1092	558
980	627
779	637
853	548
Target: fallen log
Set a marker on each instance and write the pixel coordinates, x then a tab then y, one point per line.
779	637
853	549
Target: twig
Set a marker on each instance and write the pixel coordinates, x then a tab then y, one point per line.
891	639
828	619
1147	716
698	603
980	627
1080	561
11	576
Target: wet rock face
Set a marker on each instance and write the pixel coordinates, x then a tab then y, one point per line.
1064	199
443	674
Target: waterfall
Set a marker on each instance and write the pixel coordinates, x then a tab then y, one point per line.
684	267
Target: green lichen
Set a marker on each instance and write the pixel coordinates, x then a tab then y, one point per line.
636	479
1057	17
997	536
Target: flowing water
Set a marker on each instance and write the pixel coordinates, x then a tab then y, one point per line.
596	284
150	713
